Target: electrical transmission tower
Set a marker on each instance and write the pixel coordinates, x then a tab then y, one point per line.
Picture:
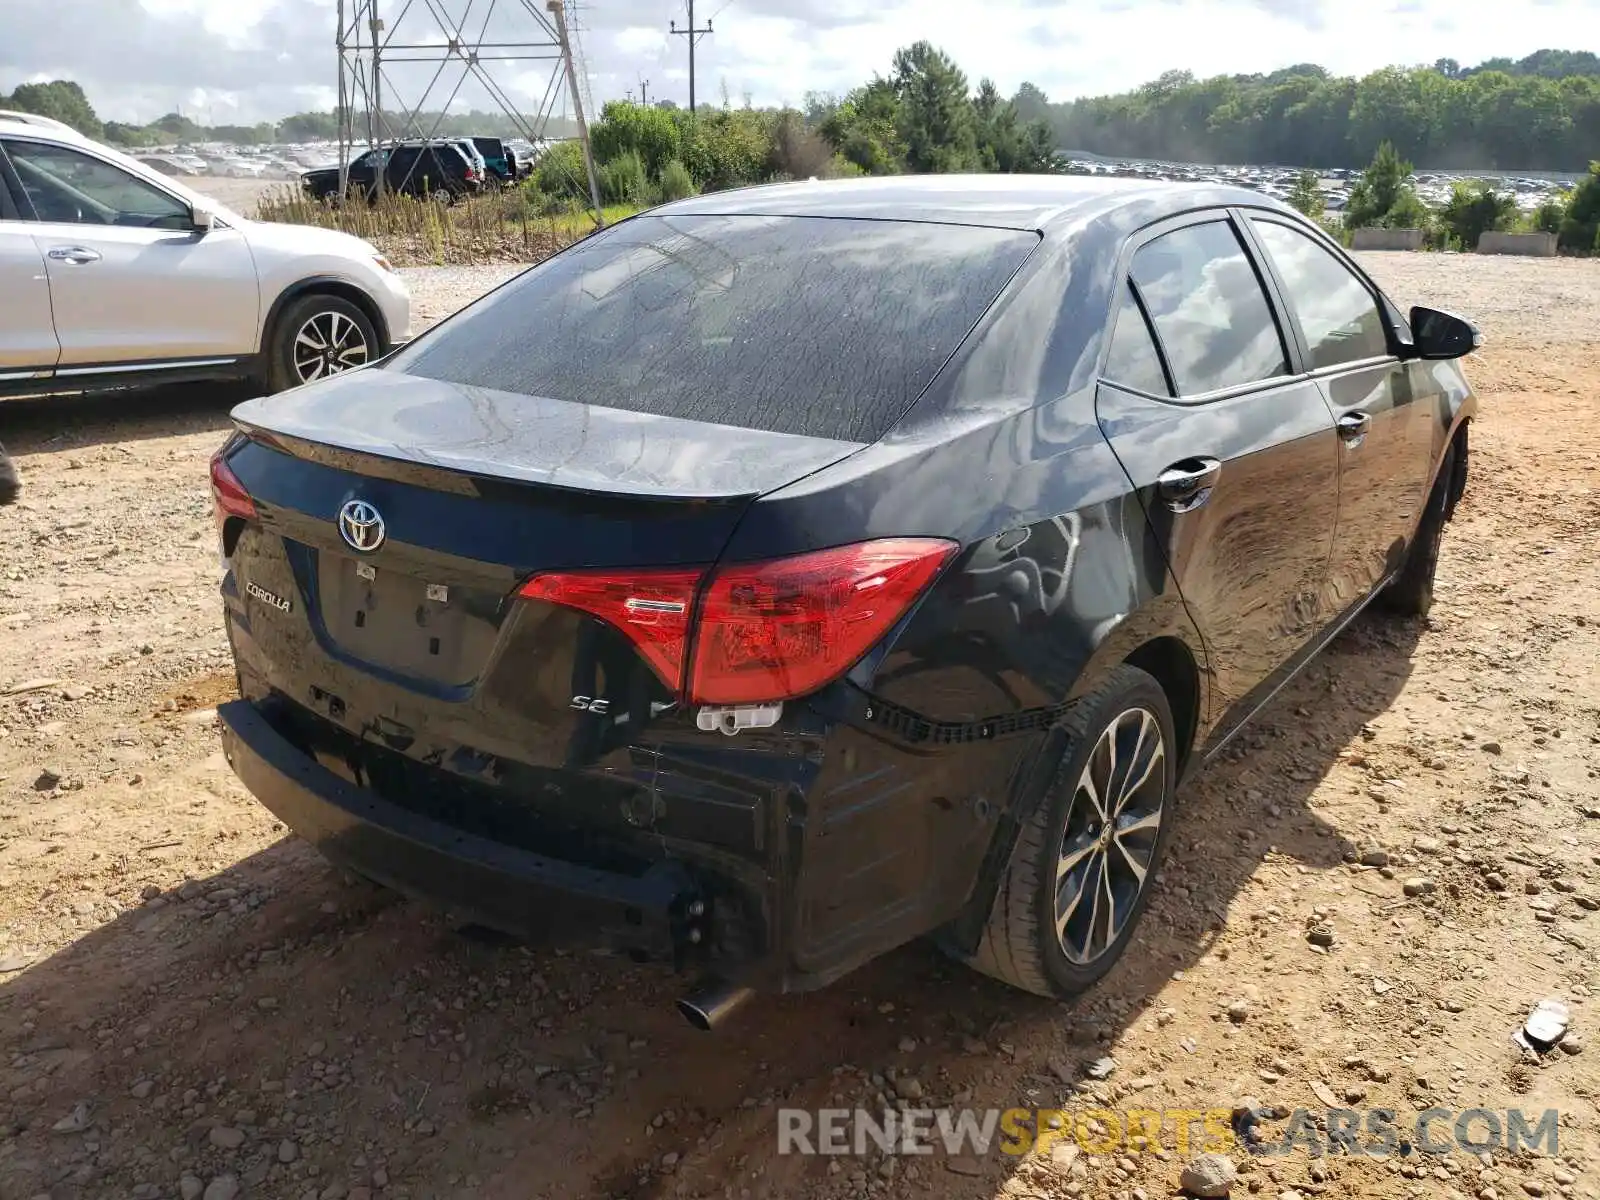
575	31
385	81
694	35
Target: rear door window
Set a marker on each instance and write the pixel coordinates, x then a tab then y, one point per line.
1337	313
821	327
1209	309
1133	360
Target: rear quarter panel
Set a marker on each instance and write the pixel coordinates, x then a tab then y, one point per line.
942	727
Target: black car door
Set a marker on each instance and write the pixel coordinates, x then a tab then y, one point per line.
1232	451
1390	414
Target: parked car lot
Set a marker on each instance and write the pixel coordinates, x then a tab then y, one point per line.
383	1046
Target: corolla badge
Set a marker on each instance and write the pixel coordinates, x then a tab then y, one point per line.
361	526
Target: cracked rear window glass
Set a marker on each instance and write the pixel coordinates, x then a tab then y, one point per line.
822	327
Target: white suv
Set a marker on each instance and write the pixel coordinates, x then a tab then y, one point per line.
113	275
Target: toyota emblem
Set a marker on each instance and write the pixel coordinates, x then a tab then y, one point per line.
361	526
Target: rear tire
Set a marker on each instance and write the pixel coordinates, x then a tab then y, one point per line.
1411	594
292	352
1073	852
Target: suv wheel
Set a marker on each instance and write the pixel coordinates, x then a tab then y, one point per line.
317	336
1080	872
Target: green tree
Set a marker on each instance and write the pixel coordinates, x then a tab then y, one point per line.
819	106
1383	196
648	132
1547	218
1580	228
1307	196
561	173
865	129
726	147
624	180
798	151
175	127
676	182
1039	154
119	134
1474	208
936	118
1540	113
997	135
61	100
1397	106
1031	103
309	127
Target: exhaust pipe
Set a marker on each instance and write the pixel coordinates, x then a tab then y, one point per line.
712	1003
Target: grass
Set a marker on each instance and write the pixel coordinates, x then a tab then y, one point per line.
497	226
580	222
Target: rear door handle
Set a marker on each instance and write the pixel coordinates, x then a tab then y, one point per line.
1353	426
1186	485
73	254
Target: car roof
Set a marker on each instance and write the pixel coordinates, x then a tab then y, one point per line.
1031	202
33	123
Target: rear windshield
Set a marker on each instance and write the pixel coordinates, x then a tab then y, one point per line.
815	326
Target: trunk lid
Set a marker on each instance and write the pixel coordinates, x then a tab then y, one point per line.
503	437
421	640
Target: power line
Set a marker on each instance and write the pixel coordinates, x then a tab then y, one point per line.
694	35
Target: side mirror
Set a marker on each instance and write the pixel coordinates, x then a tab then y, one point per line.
201	220
1442	335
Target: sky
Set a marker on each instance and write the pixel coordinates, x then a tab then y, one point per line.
227	61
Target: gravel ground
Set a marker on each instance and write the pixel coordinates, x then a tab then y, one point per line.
1537	300
1365	896
436	292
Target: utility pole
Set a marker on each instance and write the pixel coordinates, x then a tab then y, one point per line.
375	128
559	12
694	35
343	111
644	93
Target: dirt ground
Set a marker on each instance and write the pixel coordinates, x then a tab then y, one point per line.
191	1002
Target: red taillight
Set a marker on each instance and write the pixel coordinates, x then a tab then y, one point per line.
228	493
777	630
651	607
765	631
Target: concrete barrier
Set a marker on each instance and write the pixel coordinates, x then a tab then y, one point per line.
1537	245
1386	239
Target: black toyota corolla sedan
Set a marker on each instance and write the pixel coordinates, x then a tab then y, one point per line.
784	574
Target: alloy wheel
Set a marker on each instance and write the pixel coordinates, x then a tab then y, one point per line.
327	344
1113	825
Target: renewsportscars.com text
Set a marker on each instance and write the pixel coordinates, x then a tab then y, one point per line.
1017	1131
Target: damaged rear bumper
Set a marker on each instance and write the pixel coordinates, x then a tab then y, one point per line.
657	914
